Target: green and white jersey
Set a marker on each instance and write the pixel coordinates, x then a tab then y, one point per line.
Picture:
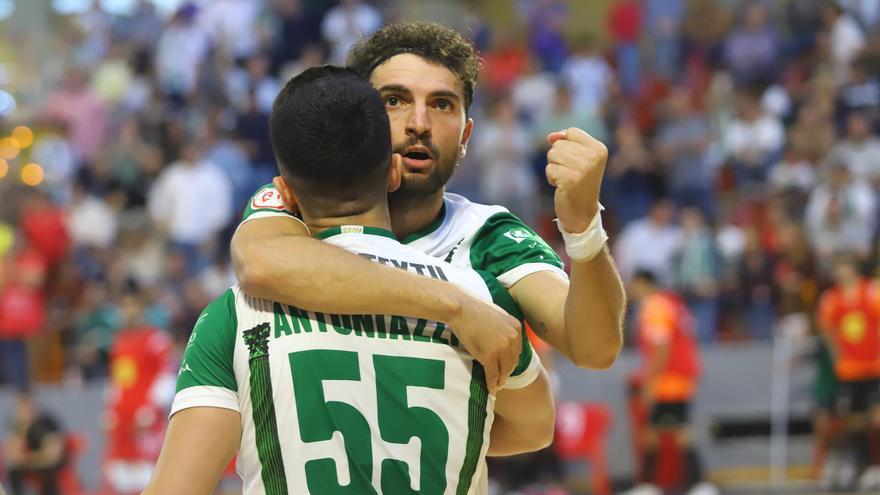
349	404
466	234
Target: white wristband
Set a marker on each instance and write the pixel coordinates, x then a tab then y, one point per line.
587	244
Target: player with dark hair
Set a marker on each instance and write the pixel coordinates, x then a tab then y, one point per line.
321	403
849	318
426	74
668	380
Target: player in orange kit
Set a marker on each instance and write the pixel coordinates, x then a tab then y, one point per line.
141	388
669	375
849	318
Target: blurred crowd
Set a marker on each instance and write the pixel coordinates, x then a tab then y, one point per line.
743	138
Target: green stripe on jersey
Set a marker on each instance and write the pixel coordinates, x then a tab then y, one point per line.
265	423
207	360
476	428
504	242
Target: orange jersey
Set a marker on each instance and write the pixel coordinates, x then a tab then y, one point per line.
852	321
664	320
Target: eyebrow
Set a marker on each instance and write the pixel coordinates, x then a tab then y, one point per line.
397	88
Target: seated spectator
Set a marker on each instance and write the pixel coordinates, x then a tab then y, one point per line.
841	215
33	448
861	93
752	50
632	183
588	75
813	132
847	39
753	140
792	173
682	144
346	23
658	231
859	150
696	272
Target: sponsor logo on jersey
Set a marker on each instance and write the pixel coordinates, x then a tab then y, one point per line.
267	199
517	235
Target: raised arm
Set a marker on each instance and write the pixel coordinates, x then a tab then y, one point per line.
199	444
524	419
583	319
275	259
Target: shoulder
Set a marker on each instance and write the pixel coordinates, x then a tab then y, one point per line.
265	202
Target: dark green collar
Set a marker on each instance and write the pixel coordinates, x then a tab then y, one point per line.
355	229
430	228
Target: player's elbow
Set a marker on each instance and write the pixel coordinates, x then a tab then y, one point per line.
599	355
254	276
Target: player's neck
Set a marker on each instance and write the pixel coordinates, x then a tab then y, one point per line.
410	215
377	217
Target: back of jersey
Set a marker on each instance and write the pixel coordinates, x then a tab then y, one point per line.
362	403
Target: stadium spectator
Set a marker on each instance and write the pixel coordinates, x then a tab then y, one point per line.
181	49
546	20
841	215
79	109
231	26
345	24
22	315
503	148
753	140
624	25
33	448
191	202
752	49
683	144
847	39
697	270
664	20
657	230
859	150
296	29
588	76
792	172
632	182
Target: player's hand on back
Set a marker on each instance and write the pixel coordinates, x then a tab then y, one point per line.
492	337
575	166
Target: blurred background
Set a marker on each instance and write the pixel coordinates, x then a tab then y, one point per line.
744	163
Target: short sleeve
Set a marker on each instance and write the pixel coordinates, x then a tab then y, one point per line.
266	202
207	376
509	250
529	365
657	321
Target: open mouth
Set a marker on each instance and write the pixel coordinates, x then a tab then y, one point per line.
418	157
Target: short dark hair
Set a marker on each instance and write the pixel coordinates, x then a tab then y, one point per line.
432	41
332	139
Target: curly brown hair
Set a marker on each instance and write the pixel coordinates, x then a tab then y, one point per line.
430	40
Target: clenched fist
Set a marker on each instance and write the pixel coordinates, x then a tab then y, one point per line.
575	166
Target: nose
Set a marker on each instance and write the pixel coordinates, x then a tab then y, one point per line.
418	122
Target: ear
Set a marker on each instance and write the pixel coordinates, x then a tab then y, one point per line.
394	172
287	196
465	137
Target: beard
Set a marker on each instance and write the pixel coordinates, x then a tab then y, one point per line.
418	185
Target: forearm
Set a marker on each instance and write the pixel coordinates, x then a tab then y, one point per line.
308	273
594	310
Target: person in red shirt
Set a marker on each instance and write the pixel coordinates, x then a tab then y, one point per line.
669	376
624	23
140	390
22	315
849	318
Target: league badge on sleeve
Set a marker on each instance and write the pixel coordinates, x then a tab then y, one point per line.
268	198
